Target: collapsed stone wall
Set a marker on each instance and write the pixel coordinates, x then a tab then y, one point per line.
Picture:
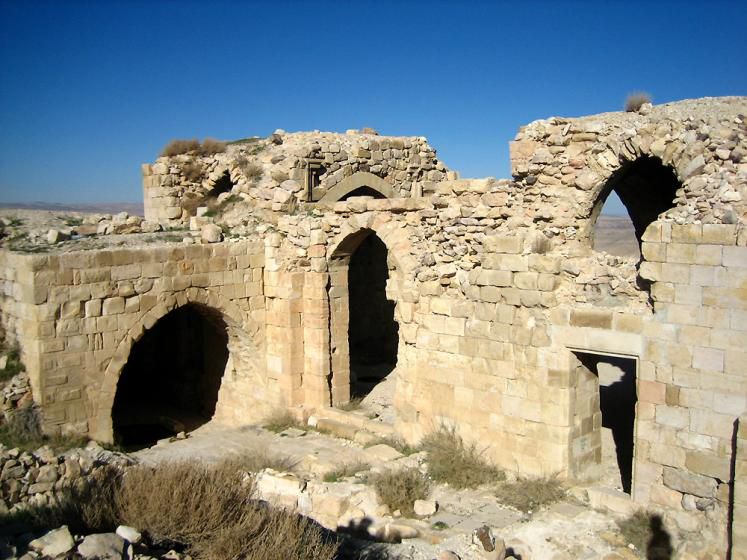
290	168
497	290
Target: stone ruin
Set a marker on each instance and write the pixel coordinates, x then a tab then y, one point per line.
319	267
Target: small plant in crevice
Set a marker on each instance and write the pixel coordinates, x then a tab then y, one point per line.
345	471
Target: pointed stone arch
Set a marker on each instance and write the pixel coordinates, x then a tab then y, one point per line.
357	181
244	346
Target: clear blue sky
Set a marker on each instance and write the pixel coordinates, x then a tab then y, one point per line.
89	90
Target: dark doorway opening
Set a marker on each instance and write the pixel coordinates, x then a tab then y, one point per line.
646	188
614	378
363	191
171	380
373	334
222	185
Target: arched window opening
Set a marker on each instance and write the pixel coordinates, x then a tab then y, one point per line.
363	191
171	380
614	232
373	334
645	188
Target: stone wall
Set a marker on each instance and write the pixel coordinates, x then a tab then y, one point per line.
739	508
496	285
84	311
298	167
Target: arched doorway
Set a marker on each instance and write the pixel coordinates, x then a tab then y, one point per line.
363	191
365	335
645	188
171	379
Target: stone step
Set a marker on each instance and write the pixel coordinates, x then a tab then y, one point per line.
358	421
611	500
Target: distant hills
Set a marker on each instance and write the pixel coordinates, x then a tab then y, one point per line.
132	208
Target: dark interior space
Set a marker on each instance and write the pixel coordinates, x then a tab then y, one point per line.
363	191
171	380
373	334
222	185
617	399
646	187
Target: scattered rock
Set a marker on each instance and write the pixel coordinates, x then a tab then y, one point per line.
425	508
104	546
211	233
56	542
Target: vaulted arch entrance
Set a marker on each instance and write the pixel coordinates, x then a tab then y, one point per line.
365	334
171	379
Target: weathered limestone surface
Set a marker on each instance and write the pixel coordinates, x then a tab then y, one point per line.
495	282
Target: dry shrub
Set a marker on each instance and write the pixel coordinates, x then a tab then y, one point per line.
179	146
281	420
635	101
453	462
252	171
530	494
212	146
186	502
192	171
395	442
345	471
210	509
352	404
646	531
261	458
399	489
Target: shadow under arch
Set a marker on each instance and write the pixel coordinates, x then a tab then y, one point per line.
362	182
364	334
241	340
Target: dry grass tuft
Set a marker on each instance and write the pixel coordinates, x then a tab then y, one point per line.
212	146
352	404
345	471
208	509
261	458
22	428
281	420
399	489
180	146
395	442
453	462
530	494
192	171
646	532
208	147
635	101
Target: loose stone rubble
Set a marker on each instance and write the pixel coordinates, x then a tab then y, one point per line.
505	319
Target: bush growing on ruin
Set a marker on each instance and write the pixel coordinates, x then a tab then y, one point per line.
529	494
252	171
212	146
208	147
635	101
192	171
452	461
399	489
180	146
